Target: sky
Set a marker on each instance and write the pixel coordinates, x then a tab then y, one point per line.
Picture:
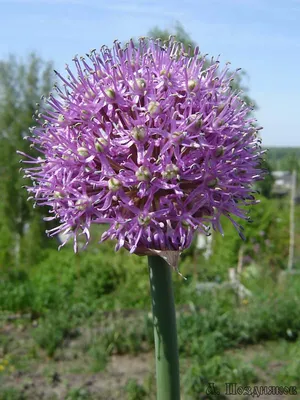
260	36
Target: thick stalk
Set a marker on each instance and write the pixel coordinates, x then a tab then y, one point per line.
165	333
292	222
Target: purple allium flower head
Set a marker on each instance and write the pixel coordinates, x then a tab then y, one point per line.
148	139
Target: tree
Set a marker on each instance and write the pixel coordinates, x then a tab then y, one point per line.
179	32
182	36
21	86
265	186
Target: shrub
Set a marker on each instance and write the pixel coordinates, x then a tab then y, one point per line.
52	331
135	391
12	394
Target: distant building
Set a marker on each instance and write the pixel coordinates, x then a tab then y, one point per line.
282	183
204	243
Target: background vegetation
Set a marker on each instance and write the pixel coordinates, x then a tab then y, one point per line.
79	326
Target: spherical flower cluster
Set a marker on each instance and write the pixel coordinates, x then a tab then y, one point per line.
148	139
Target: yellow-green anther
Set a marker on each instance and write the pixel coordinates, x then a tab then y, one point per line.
141	83
219	151
192	84
185	223
84	114
138	132
114	184
212	183
220	108
89	94
60	118
81	204
144	220
100	143
164	72
82	151
153	107
110	93
143	174
178	135
58	195
196	121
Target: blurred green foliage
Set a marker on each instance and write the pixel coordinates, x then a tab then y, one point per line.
12	394
22	83
284	158
135	391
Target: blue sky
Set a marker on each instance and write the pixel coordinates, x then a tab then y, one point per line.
261	36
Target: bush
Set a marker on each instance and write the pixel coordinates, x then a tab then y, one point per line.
78	394
135	391
52	331
99	355
123	338
218	369
12	394
16	291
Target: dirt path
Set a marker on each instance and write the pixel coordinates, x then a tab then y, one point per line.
108	385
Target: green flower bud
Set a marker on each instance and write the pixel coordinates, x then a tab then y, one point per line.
170	172
82	151
219	151
100	143
220	108
84	114
153	108
110	93
143	174
164	72
144	221
141	83
196	120
192	83
138	132
178	135
58	195
212	183
81	204
114	184
185	224
66	156
60	118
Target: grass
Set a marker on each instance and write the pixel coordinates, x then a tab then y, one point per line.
219	340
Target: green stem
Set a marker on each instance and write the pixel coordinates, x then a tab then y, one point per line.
165	333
